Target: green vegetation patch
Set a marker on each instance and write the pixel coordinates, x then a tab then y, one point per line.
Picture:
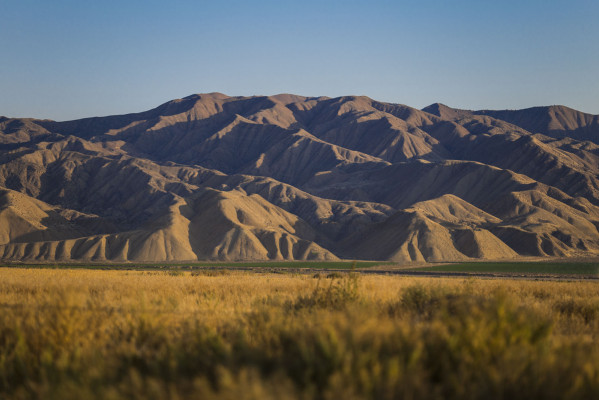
519	267
208	264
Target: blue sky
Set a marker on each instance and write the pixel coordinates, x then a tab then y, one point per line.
71	59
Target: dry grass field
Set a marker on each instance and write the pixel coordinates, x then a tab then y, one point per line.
75	334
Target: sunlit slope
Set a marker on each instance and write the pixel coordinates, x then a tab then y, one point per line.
290	177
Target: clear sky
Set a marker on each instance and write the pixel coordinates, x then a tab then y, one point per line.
64	59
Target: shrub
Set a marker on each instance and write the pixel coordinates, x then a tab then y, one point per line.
338	294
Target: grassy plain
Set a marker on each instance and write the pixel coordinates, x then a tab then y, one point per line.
73	334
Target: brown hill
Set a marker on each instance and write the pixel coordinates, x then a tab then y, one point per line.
289	177
554	121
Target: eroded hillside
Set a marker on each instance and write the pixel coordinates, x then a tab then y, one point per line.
289	177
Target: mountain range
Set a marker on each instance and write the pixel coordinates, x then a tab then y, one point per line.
213	177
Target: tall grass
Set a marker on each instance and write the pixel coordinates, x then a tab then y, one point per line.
144	335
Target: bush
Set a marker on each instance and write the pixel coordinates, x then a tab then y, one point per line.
337	295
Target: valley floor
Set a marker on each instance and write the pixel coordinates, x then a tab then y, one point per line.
217	333
523	268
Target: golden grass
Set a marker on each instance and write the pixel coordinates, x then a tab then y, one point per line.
115	334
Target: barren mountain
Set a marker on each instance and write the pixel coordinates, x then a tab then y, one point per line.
289	177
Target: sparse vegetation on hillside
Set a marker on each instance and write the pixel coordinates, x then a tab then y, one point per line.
72	334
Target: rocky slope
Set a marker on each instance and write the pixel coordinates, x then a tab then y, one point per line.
289	177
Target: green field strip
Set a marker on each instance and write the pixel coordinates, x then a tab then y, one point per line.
517	267
193	265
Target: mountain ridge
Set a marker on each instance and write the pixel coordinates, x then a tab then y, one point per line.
313	177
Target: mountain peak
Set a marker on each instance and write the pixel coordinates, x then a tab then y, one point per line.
446	112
